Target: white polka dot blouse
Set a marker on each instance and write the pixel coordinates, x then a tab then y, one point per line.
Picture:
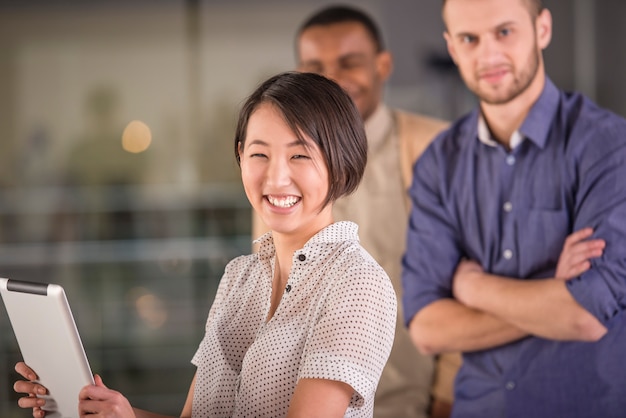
336	321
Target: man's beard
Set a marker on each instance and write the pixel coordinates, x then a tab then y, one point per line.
519	85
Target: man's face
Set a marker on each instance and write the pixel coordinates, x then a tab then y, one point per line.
497	45
346	53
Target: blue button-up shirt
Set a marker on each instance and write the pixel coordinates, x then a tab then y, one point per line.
511	210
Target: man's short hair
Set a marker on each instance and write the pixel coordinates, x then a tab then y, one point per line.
343	14
534	7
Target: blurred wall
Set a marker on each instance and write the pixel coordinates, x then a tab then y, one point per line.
183	68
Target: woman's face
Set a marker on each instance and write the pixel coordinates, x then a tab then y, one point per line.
285	181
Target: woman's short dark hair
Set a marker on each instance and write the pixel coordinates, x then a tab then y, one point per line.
318	108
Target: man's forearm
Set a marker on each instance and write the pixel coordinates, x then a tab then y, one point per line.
447	325
542	307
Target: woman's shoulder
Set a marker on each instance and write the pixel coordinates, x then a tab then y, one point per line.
240	268
359	269
242	261
341	240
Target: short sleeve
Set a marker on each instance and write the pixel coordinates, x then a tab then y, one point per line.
352	339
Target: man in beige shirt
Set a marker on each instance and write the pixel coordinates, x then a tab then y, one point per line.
345	45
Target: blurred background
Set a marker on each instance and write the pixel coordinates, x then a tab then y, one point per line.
117	175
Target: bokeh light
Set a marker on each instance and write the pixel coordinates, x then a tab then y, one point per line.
136	137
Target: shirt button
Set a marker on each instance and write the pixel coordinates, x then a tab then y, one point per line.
510	160
288	288
302	257
507	254
510	385
508	206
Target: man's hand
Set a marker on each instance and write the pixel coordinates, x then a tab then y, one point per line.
525	304
577	253
463	282
574	260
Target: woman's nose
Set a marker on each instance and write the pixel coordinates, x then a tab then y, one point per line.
278	172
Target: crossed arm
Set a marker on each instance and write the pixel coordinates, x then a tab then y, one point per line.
490	310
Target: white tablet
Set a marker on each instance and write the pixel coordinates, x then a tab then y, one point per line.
49	342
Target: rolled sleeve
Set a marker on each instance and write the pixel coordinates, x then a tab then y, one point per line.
602	205
602	289
592	292
432	251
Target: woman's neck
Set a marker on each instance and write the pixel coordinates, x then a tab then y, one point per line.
287	243
285	246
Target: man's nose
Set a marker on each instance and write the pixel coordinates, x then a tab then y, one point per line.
489	49
332	72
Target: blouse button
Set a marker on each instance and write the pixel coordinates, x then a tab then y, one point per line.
302	257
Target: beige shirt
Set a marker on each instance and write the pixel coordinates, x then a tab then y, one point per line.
378	205
380	208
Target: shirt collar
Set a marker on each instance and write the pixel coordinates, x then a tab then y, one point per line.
484	135
333	233
378	125
537	124
535	127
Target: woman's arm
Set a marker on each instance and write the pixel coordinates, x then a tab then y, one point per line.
92	398
321	398
100	400
188	403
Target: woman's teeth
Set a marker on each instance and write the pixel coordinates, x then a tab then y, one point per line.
283	202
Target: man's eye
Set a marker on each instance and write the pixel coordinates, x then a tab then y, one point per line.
350	64
468	39
311	68
505	32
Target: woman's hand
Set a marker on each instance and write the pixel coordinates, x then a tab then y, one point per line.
101	401
31	389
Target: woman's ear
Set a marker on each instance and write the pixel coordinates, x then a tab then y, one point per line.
239	150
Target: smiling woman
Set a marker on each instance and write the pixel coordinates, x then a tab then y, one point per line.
290	144
326	116
285	178
306	324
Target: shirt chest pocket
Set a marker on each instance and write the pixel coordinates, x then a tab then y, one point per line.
542	233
